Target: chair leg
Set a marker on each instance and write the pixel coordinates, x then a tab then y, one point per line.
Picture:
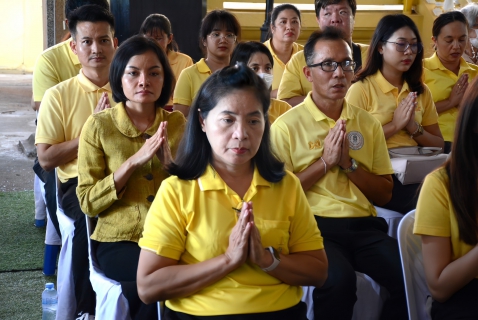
49	261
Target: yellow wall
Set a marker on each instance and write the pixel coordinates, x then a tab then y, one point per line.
21	34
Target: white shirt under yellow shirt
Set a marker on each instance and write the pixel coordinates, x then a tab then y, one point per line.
191	220
441	81
64	110
189	82
435	216
380	98
298	139
279	66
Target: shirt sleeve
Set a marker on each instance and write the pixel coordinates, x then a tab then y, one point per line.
50	127
183	90
432	216
165	226
357	97
430	115
44	77
280	139
381	158
290	84
96	191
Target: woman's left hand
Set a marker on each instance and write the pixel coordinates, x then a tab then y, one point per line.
164	152
257	253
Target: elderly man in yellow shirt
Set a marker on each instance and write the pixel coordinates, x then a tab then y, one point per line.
65	108
340	156
340	14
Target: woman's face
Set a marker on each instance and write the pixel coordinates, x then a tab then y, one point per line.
220	43
234	128
391	50
143	78
451	42
161	38
260	63
286	28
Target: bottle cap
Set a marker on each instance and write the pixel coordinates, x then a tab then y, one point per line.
50	285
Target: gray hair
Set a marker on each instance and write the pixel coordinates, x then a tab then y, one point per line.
470	11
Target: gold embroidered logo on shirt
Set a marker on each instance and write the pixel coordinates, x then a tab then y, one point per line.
314	145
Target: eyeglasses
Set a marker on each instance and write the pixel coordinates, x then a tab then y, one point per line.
230	37
402	46
331	66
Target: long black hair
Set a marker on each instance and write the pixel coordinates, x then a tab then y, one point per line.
195	153
385	29
156	22
244	51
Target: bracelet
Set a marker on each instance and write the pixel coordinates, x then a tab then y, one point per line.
325	165
418	131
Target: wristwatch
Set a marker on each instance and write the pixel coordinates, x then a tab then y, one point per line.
417	132
352	168
275	258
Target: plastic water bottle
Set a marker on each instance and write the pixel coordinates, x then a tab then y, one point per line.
49	301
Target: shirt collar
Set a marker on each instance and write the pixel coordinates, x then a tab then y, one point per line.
318	115
89	86
434	63
126	126
73	57
386	86
172	57
203	67
211	180
295	48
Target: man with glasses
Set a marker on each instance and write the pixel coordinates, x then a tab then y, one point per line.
339	154
329	13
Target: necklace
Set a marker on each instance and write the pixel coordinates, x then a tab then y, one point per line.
134	123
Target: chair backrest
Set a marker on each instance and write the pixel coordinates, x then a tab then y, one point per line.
413	273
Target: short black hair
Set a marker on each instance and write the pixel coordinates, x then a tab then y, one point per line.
134	46
328	33
195	153
90	13
277	10
156	22
322	4
244	51
71	5
218	19
446	18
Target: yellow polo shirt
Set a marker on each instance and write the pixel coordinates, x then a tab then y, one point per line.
294	83
178	62
298	139
440	80
277	108
191	220
189	82
435	215
54	65
65	109
380	98
279	66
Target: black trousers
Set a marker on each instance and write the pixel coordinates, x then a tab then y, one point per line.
404	197
84	294
119	261
297	312
462	305
358	244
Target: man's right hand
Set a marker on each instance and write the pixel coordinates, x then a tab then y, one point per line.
333	144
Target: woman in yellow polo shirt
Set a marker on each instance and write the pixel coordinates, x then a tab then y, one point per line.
122	156
217	38
390	88
446	73
284	32
158	27
231	234
257	57
446	219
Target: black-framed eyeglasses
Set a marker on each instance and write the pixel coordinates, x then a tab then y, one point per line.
402	46
331	66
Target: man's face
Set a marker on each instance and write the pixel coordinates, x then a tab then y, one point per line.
330	85
94	44
337	15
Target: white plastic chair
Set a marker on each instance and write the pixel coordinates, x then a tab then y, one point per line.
418	296
393	219
111	304
65	285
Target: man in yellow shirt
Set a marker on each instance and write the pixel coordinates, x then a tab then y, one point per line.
339	154
335	13
65	108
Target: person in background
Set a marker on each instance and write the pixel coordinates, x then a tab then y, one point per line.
230	235
390	88
470	11
158	27
284	31
257	57
217	38
446	220
122	157
339	154
65	108
340	14
446	73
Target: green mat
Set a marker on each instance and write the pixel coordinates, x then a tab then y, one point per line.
22	244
